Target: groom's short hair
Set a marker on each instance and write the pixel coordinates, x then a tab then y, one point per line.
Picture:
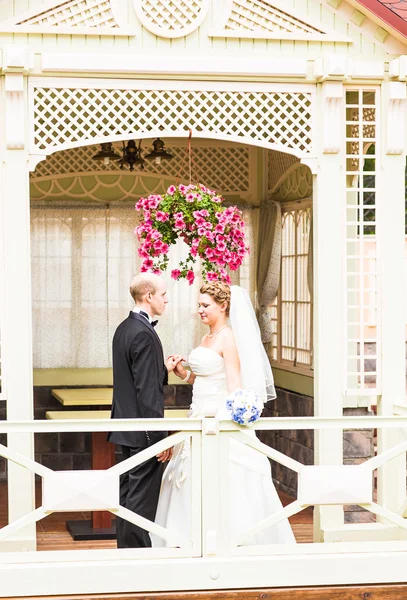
141	284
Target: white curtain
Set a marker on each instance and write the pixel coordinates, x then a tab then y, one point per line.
83	259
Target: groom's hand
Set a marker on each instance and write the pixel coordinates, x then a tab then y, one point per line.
165	455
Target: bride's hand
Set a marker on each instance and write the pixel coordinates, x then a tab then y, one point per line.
173	361
180	371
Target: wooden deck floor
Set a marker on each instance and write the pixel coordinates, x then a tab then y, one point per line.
52	533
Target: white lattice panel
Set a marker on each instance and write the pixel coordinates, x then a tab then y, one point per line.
225	168
278	164
255	15
171	18
67	117
362	328
74	13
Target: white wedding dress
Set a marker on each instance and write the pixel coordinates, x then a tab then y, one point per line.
253	496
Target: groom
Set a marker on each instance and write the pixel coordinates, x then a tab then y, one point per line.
139	376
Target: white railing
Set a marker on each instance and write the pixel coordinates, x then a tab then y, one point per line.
212	557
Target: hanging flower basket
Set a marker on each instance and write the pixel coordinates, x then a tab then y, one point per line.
214	233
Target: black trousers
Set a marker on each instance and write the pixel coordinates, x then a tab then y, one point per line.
139	492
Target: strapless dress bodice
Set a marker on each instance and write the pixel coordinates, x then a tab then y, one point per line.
210	389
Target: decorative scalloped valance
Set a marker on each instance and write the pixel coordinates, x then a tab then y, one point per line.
73	174
296	186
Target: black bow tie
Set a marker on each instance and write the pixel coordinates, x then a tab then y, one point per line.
153	323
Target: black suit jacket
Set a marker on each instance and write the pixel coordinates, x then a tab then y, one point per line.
139	376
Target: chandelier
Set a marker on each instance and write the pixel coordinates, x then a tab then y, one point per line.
131	155
158	152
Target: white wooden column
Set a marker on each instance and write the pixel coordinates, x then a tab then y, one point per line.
329	235
211	492
390	238
17	334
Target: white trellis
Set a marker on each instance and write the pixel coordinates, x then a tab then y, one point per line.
363	323
260	15
270	20
91	17
171	19
66	113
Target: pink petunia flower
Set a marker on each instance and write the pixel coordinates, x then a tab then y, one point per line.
233	266
212	276
190	277
190	198
148	263
153	202
171	190
162	216
182	188
175	274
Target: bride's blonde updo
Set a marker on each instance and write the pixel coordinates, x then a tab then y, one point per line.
219	291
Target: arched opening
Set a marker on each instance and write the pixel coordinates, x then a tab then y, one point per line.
84	254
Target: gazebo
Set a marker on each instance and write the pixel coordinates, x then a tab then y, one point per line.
295	111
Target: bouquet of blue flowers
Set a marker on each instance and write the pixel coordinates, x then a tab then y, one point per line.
244	406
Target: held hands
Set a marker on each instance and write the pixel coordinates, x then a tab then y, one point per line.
173	363
180	371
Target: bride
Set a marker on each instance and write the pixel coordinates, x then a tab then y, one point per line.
229	357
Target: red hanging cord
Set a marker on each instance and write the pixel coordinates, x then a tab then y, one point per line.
191	164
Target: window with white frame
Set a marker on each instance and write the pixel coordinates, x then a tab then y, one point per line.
291	312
